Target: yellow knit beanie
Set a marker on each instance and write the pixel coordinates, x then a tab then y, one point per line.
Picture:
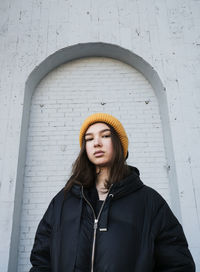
109	119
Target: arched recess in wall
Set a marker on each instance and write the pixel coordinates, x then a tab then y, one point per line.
77	52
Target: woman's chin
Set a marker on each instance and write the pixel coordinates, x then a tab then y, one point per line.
102	164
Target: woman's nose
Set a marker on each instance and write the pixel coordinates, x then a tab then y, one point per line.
97	141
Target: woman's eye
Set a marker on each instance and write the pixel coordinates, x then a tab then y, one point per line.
106	136
88	139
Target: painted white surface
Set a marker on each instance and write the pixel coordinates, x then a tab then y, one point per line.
164	33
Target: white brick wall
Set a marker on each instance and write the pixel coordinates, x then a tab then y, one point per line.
63	99
164	33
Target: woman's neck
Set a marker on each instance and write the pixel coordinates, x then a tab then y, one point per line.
102	176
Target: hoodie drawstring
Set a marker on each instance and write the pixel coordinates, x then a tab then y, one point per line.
103	223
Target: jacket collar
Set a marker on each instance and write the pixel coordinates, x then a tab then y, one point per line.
119	189
127	185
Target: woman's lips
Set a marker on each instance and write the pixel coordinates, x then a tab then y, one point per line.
98	153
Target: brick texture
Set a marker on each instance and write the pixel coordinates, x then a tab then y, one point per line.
163	33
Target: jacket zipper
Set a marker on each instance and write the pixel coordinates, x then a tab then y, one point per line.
96	219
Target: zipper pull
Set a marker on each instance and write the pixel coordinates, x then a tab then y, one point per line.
95	223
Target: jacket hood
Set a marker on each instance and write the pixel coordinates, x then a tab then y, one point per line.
127	185
119	189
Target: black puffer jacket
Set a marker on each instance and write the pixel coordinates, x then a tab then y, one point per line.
136	232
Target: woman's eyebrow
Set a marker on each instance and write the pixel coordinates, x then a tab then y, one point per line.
101	131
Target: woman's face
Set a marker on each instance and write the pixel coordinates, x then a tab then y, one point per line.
99	147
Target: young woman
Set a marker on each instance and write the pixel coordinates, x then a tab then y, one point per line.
106	219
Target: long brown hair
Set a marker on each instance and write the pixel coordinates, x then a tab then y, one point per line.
84	172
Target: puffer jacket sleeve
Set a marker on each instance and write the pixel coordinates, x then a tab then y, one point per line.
40	254
171	248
